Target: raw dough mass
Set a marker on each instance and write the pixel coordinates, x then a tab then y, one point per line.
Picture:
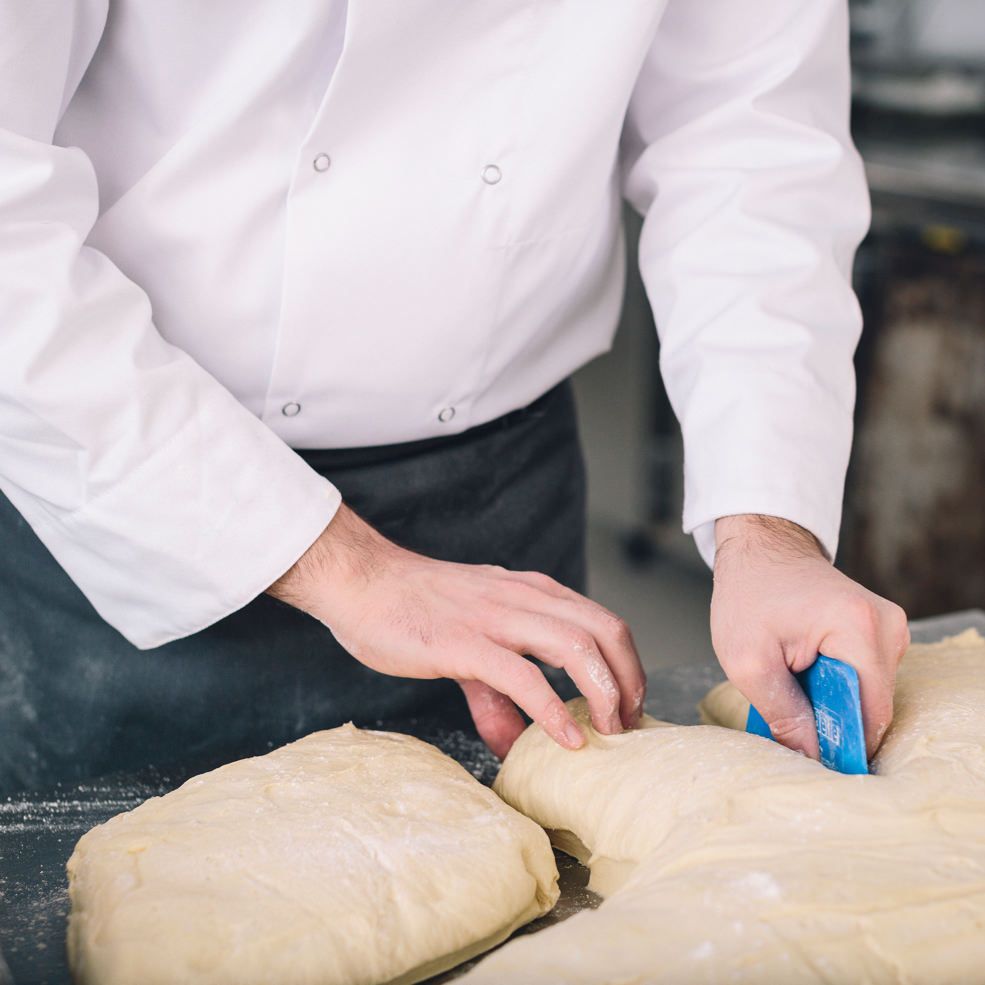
346	857
727	858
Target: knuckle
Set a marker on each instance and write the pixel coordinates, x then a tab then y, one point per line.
520	591
612	626
747	682
618	629
526	677
582	642
896	614
539	579
899	629
864	616
507	595
790	727
743	668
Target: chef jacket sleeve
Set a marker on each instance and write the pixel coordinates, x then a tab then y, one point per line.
167	502
736	150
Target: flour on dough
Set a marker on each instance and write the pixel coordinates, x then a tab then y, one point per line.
725	857
346	857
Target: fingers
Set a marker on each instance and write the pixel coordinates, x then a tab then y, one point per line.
609	637
540	581
496	719
615	643
873	637
574	650
774	692
523	682
876	684
876	694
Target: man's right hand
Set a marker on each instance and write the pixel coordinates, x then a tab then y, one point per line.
404	614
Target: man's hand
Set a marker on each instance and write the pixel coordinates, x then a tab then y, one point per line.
411	616
777	603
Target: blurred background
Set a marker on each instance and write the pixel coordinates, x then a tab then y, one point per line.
914	521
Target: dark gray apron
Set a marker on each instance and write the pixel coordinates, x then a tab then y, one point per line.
77	700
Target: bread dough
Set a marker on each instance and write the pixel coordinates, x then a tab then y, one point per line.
346	857
725	857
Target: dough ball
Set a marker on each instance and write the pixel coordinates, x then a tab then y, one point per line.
347	857
725	857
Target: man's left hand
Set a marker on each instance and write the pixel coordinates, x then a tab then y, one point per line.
777	603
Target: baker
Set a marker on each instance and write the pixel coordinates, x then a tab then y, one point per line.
289	297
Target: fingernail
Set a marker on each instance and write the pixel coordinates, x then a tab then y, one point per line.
573	734
615	724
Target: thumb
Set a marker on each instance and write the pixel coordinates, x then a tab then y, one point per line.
496	718
777	696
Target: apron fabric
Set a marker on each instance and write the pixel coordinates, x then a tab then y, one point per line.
78	701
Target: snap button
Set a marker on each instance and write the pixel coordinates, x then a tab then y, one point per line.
291	409
322	162
446	415
491	174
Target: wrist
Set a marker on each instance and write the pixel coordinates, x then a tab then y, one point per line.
346	553
751	533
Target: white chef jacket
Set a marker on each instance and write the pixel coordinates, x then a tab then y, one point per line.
234	228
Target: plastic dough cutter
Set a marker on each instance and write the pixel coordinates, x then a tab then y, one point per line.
832	689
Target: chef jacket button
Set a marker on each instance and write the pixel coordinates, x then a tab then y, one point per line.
446	415
322	162
491	174
291	409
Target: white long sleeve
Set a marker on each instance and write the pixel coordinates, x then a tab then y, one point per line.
236	228
737	151
167	502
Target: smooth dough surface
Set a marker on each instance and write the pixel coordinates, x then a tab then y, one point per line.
727	858
347	857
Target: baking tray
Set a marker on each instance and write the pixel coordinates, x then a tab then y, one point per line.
38	830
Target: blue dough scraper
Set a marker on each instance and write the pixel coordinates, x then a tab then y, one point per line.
832	689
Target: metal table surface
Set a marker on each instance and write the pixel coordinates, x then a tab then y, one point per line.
38	830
